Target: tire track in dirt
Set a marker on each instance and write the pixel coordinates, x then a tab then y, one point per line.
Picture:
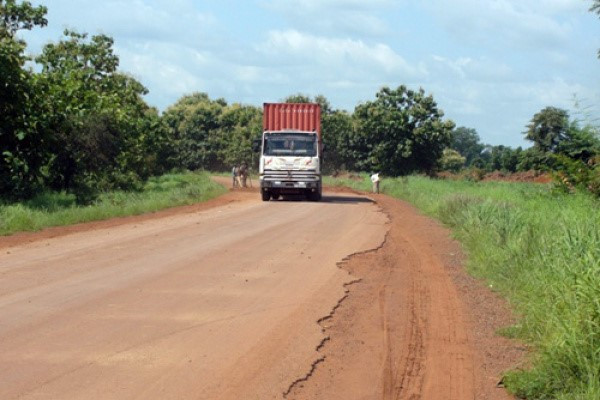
409	328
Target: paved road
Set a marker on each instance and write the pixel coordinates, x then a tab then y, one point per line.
216	304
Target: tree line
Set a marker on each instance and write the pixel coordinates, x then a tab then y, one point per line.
565	147
76	123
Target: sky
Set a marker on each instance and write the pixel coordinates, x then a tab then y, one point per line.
490	65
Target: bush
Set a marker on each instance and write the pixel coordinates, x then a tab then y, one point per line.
573	175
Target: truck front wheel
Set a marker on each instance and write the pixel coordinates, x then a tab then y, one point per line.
313	196
266	196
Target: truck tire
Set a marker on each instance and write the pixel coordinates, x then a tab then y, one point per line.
266	196
313	196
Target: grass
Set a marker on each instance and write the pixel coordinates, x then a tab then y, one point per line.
541	250
56	209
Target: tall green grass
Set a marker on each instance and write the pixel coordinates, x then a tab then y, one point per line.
55	209
539	249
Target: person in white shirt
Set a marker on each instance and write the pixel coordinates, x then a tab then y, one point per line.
375	179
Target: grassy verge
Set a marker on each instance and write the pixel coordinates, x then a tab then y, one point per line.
542	251
55	209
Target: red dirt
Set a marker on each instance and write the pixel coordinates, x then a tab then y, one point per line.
525	176
499	176
414	324
397	319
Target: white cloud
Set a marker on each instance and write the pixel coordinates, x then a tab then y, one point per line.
489	64
535	24
346	17
339	56
479	69
137	20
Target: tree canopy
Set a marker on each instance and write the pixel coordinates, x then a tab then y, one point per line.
15	17
402	131
548	128
210	134
79	124
467	142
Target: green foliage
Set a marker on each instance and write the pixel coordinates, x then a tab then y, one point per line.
533	159
239	125
452	160
15	17
571	175
209	134
337	130
580	143
400	132
297	98
502	158
60	208
466	141
548	128
21	146
101	128
191	121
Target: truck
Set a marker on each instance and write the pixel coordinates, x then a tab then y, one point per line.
291	151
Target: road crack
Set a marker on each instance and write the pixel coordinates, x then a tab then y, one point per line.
321	321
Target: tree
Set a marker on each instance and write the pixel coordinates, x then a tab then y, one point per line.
101	130
298	98
402	131
452	160
239	125
502	158
15	17
548	128
466	141
209	134
21	146
579	143
193	122
337	129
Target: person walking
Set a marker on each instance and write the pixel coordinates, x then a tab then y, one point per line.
375	179
243	174
234	174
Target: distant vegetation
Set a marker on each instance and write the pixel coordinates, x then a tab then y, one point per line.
540	249
59	208
566	148
78	125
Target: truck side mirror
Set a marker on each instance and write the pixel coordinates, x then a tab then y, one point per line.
256	145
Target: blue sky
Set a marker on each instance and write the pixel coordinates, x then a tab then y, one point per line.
490	65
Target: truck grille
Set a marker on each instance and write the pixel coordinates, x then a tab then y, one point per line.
292	175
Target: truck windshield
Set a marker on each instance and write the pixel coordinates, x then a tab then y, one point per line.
291	144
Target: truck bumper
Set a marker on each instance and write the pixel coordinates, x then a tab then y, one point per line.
294	185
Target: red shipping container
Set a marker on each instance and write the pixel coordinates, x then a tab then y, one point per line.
304	117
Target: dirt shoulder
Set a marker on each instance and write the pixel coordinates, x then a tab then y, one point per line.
414	324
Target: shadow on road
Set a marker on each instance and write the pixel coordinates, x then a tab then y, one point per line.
345	199
330	199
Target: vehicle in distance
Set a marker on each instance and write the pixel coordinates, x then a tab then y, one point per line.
291	151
